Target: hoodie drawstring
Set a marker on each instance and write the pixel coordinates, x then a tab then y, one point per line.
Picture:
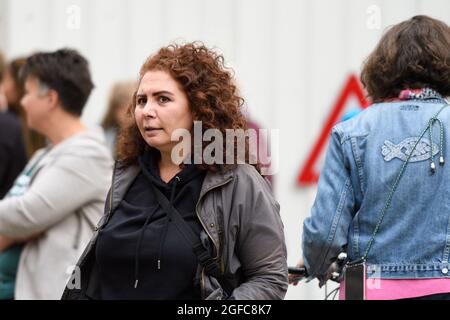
161	240
138	247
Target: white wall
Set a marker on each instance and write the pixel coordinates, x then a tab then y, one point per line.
291	58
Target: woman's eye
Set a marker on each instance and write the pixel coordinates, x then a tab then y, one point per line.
163	99
140	101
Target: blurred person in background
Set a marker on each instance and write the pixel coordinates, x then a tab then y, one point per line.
49	215
232	243
12	87
119	100
3	102
383	191
12	147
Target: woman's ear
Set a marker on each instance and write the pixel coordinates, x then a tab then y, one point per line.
53	98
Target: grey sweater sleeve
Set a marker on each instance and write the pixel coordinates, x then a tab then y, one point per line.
57	191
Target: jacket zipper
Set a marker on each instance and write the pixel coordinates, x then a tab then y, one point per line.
112	189
111	194
202	281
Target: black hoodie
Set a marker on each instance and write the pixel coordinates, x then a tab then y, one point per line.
140	254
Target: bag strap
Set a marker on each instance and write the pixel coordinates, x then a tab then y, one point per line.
203	255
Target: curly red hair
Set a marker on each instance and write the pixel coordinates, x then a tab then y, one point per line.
212	94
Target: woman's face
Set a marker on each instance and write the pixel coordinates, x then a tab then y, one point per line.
161	108
36	105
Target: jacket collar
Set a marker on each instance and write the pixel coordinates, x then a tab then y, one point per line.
124	176
215	179
424	94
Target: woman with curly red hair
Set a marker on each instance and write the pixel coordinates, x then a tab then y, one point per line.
184	231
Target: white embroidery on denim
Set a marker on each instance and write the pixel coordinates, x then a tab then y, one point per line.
402	150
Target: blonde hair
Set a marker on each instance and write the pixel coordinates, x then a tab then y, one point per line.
121	95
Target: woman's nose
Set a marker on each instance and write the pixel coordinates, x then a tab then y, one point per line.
149	110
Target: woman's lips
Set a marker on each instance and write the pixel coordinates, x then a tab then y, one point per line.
150	131
149	128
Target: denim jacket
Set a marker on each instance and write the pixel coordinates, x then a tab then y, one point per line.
364	157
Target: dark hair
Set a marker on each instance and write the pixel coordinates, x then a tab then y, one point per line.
14	68
66	72
411	55
33	140
213	97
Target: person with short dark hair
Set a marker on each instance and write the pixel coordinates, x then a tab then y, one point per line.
49	214
383	191
66	72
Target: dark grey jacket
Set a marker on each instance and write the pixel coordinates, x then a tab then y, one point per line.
241	217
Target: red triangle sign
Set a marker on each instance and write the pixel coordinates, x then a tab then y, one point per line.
353	89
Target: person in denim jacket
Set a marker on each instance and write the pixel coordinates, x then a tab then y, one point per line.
407	77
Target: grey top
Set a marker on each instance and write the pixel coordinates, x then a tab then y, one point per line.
62	205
